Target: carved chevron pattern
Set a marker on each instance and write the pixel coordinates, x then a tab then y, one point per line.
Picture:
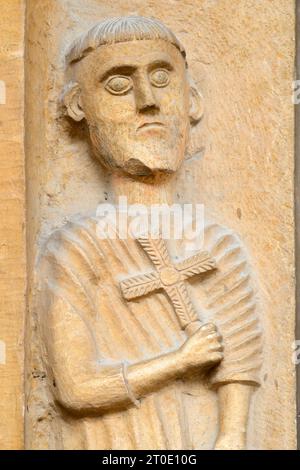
197	264
182	304
165	278
140	285
156	250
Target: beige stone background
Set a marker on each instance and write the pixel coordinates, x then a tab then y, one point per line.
241	55
297	203
12	223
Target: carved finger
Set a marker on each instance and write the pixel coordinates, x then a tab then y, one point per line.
215	336
219	337
217	357
217	347
209	327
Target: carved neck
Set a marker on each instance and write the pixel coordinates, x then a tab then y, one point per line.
143	191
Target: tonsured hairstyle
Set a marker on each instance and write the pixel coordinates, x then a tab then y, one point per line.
121	29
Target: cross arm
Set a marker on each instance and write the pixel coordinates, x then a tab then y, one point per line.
139	285
157	251
197	264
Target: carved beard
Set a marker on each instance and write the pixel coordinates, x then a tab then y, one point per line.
159	151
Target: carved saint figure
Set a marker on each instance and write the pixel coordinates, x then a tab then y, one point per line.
124	368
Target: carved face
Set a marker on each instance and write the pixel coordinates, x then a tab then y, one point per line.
135	97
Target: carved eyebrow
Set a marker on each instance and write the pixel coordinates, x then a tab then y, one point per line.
118	70
130	69
161	63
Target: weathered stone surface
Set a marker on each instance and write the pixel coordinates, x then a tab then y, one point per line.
12	224
241	56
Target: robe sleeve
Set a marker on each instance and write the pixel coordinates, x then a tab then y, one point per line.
232	304
80	378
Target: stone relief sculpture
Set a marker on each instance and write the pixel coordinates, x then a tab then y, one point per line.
133	332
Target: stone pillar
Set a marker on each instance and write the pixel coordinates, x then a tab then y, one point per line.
12	223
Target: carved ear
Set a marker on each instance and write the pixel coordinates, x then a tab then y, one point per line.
196	104
72	101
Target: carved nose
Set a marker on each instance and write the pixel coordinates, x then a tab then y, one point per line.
145	98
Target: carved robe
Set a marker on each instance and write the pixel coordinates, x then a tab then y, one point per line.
88	330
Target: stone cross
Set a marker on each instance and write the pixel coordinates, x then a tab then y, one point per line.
171	278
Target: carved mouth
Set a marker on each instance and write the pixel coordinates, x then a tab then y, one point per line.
151	125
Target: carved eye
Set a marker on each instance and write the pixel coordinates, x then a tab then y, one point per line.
118	85
160	78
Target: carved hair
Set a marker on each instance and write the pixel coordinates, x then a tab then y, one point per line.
121	29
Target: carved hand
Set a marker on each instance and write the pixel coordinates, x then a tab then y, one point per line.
203	349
